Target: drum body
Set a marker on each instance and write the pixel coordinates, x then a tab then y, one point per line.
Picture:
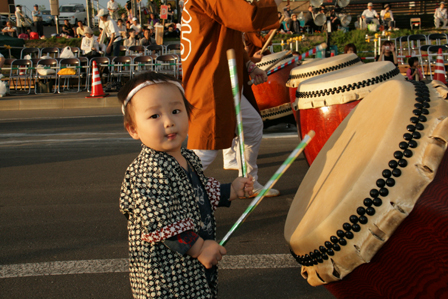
414	262
323	120
325	100
370	217
273	96
314	67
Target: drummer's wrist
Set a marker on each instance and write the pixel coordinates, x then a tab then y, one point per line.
251	67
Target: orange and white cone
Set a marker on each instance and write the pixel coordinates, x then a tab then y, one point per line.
439	73
97	87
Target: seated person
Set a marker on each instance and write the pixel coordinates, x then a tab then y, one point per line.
152	19
147	40
80	30
294	24
67	29
335	22
171	32
89	44
441	16
370	14
10	30
350	48
25	35
388	17
388	53
136	26
121	27
131	40
414	72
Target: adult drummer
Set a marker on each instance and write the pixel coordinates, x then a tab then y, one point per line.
209	29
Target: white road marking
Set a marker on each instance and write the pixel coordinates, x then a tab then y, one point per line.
229	262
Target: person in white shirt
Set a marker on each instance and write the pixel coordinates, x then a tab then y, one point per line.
388	17
440	16
89	44
370	14
121	28
136	26
20	20
112	7
112	32
131	40
37	19
10	30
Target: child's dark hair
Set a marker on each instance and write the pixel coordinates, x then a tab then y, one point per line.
139	79
348	46
412	60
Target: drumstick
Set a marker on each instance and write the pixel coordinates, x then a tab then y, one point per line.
301	57
270	184
266	44
236	100
278	60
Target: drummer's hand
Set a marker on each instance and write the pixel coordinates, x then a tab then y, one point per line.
258	55
241	187
258	76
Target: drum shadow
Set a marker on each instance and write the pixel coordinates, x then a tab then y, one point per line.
334	165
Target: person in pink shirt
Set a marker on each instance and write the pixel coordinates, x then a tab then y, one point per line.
414	72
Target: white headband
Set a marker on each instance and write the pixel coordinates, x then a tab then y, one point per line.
143	85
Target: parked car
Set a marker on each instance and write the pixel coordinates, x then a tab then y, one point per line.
47	18
73	13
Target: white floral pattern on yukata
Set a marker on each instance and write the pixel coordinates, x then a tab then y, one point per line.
160	202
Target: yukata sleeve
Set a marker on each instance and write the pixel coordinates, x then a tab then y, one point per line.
160	216
218	194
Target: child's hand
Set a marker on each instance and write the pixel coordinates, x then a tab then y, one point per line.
211	253
241	187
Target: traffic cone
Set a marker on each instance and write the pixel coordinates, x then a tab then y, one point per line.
332	54
439	73
97	87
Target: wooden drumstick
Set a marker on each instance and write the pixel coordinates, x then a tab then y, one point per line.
272	64
270	184
266	44
237	102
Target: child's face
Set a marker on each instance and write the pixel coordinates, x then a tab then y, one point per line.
415	63
160	119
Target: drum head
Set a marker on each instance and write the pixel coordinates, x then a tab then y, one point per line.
366	179
346	85
268	60
320	67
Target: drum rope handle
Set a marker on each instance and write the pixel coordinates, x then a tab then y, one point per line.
237	102
301	57
282	169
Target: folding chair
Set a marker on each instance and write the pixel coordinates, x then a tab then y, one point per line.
20	76
76	51
46	70
105	61
401	44
72	63
167	64
33	52
52	52
415	41
143	64
173	49
121	67
154	49
437	39
136	51
123	50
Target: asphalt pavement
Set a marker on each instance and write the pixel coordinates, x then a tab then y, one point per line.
62	235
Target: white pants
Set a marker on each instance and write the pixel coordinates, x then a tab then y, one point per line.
253	133
438	20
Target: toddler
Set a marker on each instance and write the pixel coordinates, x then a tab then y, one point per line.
168	201
414	73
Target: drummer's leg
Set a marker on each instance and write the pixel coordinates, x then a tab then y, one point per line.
253	133
206	156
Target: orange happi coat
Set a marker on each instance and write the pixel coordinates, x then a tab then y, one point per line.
209	29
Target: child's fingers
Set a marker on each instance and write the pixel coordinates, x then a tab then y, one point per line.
222	250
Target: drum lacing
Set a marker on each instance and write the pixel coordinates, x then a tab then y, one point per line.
353	226
267	63
348	87
326	70
265	115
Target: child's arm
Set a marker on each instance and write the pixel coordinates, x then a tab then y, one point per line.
208	252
